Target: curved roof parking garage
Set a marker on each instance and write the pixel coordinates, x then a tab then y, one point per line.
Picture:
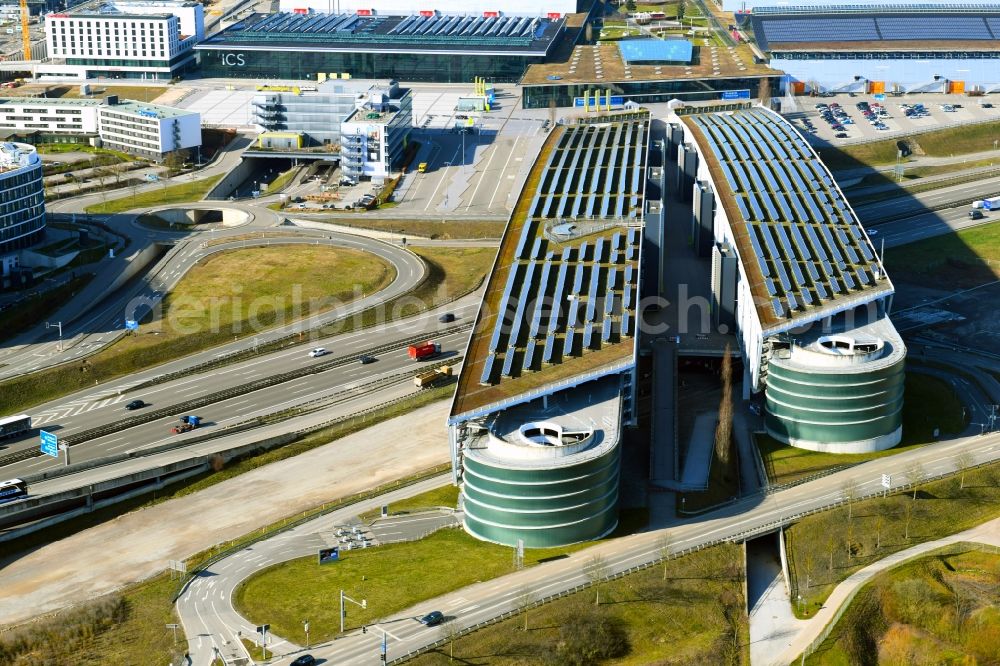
812	294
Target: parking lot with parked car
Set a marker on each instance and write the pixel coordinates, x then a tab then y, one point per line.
843	119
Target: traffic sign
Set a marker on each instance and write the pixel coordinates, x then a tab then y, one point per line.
50	443
263	628
131	325
328	555
886	481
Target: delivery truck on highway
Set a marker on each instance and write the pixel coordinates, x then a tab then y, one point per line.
187	424
432	377
424	351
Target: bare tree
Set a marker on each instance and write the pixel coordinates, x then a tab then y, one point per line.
831	546
724	430
808	562
964	461
525	598
879	524
908	517
663	547
449	632
849	488
915	473
764	92
596	570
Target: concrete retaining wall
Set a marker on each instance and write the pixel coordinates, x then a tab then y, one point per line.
137	263
232	180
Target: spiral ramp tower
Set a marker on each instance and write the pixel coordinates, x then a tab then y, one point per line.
549	377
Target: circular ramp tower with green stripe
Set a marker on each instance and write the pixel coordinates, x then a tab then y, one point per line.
838	393
547	472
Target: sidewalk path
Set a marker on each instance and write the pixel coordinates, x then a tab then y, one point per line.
988	533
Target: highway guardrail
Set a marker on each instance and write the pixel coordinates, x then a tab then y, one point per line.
202	401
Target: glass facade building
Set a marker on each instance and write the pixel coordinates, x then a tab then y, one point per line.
646	92
22	199
218	61
436	49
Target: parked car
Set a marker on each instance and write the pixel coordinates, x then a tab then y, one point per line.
135	404
319	351
431	619
840	135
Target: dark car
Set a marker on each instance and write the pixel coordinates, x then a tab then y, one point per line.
433	618
366	359
304	660
840	135
446	318
135	404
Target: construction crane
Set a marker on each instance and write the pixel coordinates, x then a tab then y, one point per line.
25	35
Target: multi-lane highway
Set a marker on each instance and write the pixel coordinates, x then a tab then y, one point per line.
210	620
105	404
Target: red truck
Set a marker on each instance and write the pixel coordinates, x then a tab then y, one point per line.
424	351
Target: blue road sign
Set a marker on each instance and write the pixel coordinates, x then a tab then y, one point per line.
131	325
50	443
735	94
328	555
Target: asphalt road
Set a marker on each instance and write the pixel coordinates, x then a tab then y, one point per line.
921	202
104	404
209	619
97	327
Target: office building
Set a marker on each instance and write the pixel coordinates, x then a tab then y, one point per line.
22	202
128	39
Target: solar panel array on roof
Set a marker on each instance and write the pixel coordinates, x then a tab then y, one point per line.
558	292
388	30
806	243
926	25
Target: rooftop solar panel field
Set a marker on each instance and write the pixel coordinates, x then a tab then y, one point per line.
803	249
388	33
556	305
920	28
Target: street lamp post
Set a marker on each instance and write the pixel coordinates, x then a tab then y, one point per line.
343	597
305	625
58	325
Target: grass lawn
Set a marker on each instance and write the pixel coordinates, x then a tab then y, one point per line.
432	499
928	403
232	293
281	181
59	148
942	608
693	615
160	196
940	143
123	628
825	548
963	259
26	314
428	228
389	577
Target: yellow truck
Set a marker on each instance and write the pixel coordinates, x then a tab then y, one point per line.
432	377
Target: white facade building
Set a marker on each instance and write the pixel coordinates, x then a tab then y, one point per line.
138	128
374	137
444	7
125	40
